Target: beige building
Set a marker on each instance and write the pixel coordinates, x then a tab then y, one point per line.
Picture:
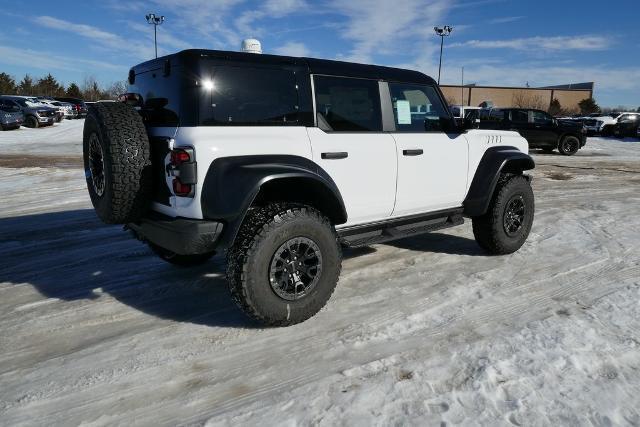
568	95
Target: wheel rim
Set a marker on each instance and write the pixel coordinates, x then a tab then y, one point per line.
295	268
514	216
570	145
96	165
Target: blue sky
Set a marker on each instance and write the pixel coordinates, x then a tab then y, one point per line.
499	42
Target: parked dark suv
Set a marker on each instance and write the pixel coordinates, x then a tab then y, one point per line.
627	125
78	105
538	127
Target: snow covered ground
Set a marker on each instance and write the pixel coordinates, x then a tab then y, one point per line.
426	331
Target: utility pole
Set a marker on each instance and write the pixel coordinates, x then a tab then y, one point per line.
155	21
442	32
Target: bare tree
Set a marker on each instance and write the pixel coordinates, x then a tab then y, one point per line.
91	89
116	89
528	99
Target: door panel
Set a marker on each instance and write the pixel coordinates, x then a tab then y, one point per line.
432	165
349	144
435	180
363	166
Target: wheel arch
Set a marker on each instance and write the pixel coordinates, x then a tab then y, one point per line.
495	161
234	184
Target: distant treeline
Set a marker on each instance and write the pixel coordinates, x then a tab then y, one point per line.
89	90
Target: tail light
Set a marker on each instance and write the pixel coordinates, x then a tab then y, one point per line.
183	168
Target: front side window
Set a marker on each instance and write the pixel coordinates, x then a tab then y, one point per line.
347	104
237	96
417	108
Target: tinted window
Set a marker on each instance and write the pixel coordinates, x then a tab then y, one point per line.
348	104
520	116
249	96
417	108
496	115
541	118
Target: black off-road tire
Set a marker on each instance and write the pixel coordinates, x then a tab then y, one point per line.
31	122
124	147
180	260
569	145
490	229
264	230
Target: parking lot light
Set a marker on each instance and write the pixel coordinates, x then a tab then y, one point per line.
155	21
442	32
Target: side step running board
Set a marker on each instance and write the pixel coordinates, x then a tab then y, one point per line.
370	234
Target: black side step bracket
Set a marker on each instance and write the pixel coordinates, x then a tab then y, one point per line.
398	228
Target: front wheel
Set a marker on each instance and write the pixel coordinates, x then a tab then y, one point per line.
569	145
31	122
505	226
284	264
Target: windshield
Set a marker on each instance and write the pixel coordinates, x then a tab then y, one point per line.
33	103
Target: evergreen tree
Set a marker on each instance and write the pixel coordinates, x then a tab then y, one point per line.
49	86
588	106
7	84
73	91
25	87
555	109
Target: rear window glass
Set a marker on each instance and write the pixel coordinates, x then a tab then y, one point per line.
348	105
236	96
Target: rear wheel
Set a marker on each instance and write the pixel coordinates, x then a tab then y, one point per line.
284	264
180	260
505	226
569	145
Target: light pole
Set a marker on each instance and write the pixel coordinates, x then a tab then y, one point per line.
442	32
155	21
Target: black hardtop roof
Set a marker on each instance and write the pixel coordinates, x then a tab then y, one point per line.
314	65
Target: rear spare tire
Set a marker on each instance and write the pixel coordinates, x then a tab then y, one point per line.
117	162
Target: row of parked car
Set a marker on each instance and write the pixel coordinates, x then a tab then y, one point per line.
33	112
618	124
542	131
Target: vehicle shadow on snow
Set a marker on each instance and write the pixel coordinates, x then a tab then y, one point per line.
440	243
72	256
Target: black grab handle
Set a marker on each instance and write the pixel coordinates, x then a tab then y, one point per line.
417	152
335	155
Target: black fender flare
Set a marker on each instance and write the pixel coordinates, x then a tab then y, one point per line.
232	184
496	160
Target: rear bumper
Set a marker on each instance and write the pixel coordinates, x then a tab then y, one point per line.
179	235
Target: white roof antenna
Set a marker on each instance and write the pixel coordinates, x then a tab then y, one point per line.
251	46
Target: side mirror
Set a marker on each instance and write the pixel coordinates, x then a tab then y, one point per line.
470	123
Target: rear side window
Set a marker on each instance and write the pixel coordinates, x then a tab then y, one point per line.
417	108
348	105
237	96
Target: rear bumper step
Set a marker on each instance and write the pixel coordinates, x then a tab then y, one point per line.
179	235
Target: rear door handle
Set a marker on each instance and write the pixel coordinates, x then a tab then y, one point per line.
416	152
336	155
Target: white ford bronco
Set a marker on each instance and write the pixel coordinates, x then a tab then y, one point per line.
282	161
